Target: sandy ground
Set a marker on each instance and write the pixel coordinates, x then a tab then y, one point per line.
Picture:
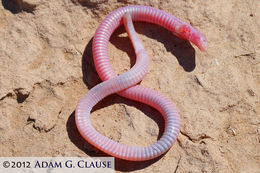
46	66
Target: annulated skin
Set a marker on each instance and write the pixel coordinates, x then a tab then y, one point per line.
125	84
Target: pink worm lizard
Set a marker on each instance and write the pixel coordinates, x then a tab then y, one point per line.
125	84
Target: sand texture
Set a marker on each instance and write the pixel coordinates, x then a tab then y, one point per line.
46	66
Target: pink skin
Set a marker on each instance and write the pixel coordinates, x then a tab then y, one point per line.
125	84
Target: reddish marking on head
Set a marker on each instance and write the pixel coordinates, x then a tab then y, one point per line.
184	31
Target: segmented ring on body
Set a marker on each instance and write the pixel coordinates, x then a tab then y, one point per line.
125	84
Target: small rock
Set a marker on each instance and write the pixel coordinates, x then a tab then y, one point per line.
21	94
251	92
90	3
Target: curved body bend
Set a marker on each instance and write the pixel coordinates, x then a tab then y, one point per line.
125	84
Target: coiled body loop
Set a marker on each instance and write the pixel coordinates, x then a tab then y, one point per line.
125	84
